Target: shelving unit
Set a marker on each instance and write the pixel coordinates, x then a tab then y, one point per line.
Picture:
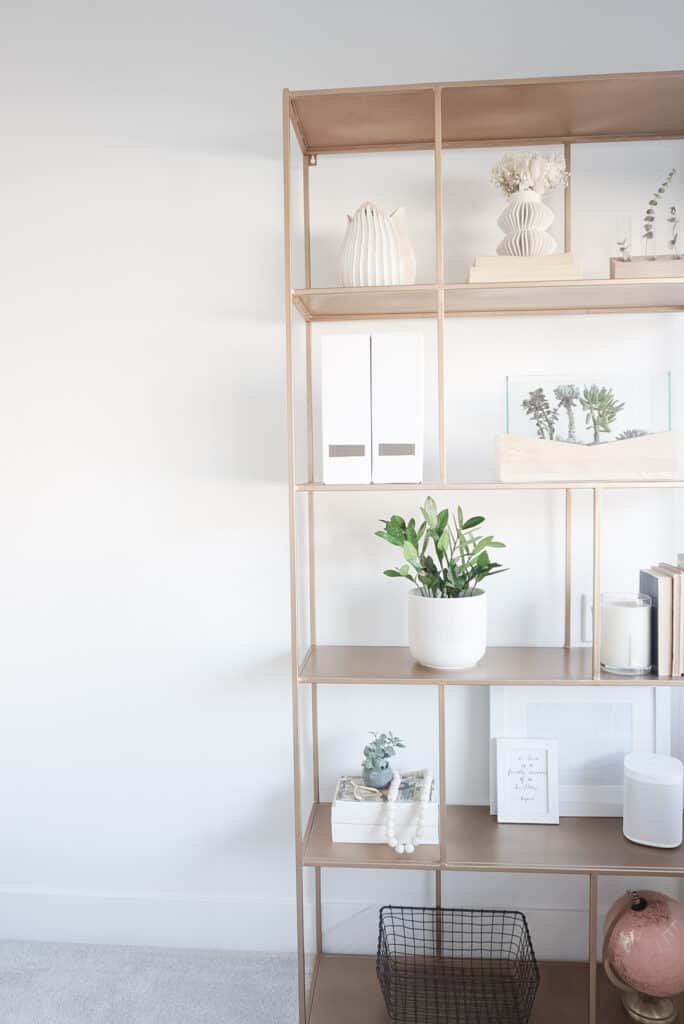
436	117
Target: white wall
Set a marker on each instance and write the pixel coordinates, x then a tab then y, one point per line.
144	746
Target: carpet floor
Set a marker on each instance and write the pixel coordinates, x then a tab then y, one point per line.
45	983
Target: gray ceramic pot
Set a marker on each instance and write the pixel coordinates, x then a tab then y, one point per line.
379	778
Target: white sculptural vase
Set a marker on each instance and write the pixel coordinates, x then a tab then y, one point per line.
376	249
524	223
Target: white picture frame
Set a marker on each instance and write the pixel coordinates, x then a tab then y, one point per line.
527	781
594	725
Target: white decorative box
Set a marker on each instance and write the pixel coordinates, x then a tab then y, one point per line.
397	407
358	815
346	408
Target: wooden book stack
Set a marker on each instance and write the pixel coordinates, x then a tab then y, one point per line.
560	266
664	584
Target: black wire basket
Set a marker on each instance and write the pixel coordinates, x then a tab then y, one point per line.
438	966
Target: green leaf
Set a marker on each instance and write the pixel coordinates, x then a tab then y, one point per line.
443	542
471	523
394	573
459	517
430	511
410	552
496	544
391	538
404	570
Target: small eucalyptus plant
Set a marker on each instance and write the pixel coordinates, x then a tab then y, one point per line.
446	556
377	753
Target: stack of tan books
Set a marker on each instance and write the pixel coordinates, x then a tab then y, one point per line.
560	266
664	584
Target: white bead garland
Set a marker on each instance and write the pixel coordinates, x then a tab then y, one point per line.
412	841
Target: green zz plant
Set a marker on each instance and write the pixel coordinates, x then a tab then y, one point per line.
444	556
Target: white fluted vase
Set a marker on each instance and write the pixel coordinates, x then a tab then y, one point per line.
376	249
524	223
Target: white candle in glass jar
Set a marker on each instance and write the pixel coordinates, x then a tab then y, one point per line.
626	633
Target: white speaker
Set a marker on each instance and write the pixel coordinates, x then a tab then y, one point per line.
653	797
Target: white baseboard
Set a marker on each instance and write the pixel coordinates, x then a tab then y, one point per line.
232	923
192	922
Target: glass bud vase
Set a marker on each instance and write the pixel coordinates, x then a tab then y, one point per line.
648	244
623	239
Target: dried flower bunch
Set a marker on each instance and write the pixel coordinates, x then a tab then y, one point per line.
517	172
599	404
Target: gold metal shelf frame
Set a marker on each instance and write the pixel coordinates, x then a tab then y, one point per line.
438	116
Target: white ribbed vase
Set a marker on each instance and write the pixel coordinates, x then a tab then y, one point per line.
524	223
376	249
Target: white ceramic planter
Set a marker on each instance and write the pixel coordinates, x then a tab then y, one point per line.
447	633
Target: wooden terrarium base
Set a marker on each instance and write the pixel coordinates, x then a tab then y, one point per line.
658	266
525	459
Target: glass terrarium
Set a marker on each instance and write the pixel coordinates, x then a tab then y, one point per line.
594	427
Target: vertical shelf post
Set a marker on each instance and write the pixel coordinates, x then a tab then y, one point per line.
439	273
299	879
567	208
306	193
567	640
593	928
596	556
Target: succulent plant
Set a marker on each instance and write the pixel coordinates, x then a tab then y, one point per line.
567	396
377	753
460	560
537	408
601	408
627	434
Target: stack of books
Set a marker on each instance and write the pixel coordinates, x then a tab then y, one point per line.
502	269
358	814
664	584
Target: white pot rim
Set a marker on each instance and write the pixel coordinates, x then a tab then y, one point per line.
415	592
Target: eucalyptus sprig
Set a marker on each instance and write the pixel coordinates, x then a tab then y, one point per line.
444	556
649	216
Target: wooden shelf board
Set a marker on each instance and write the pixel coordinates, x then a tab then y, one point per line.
370	663
476	842
392	302
320	851
583	296
492	113
589	295
490	485
347	992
